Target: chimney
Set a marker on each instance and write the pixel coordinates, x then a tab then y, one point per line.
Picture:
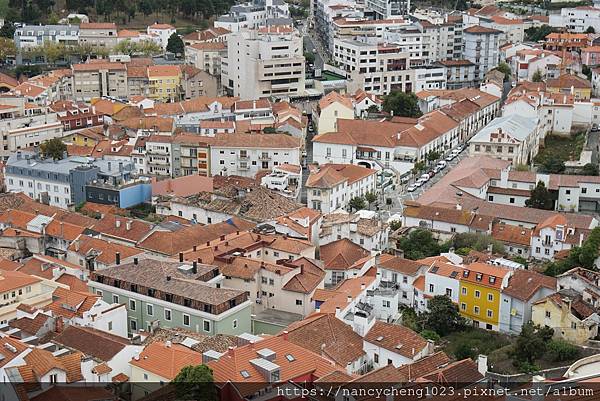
231	351
117	258
195	267
76	245
168	344
180	257
128	225
363	286
284	335
349	298
135	261
458	206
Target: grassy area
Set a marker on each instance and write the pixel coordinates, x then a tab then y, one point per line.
561	148
472	342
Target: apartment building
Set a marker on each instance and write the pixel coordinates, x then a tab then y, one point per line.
206	56
17	288
246	154
30	36
98	34
254	14
554	235
27	132
164	82
331	186
332	107
377	68
510	137
389	8
63	183
577	19
167	294
459	73
264	62
76	115
513	29
482	48
99	79
356	24
363	227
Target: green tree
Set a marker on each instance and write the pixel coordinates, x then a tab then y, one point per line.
540	198
537	76
561	350
590	169
418	167
535	34
478	242
53	148
430	335
402	104
419	244
443	316
195	383
505	69
54	51
553	166
309	57
370	197
433	156
175	45
7	49
531	343
7	30
395	225
590	29
357	203
373	109
125	47
587	71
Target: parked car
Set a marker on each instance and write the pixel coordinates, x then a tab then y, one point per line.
449	158
442	164
431	173
437	169
405	180
412	188
417	183
425	177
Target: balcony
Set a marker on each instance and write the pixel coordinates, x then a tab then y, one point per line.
243	166
243	156
264	156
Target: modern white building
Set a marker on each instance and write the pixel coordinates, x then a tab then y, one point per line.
264	62
577	19
246	154
162	31
482	48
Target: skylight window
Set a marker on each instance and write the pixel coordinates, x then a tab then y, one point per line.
245	374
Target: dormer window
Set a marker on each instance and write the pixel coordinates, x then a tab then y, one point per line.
245	374
466	273
492	279
479	276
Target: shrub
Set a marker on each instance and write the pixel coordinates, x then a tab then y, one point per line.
430	335
561	350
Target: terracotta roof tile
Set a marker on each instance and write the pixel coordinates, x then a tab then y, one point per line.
166	361
342	254
92	342
396	339
525	283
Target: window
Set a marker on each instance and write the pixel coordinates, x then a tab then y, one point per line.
132	304
150	310
477	294
431	288
53	378
168	314
449	292
490	297
115	299
99	292
548	314
511	200
573	325
404	279
490	313
271	281
476	310
186	320
234	324
206	326
376	358
110	326
298	302
133	325
463	306
464	290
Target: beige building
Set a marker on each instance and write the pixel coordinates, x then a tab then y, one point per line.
331	107
100	34
268	61
17	288
206	56
97	79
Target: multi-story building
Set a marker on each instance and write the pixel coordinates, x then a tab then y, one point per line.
246	154
513	29
577	19
167	294
264	62
28	36
27	132
98	34
64	182
76	115
20	288
511	137
482	48
206	56
480	288
332	186
99	79
459	73
162	31
364	228
570	84
164	82
401	274
389	8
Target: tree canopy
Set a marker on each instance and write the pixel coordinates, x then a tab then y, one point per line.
537	76
195	383
420	244
531	343
402	104
590	169
553	166
175	44
540	198
442	316
505	69
535	34
54	148
357	203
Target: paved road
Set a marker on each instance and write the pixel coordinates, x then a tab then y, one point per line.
310	47
400	195
309	158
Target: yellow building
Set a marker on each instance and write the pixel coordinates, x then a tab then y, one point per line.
165	82
570	84
479	294
572	318
88	137
17	288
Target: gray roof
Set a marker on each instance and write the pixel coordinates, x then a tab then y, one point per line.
153	273
514	125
